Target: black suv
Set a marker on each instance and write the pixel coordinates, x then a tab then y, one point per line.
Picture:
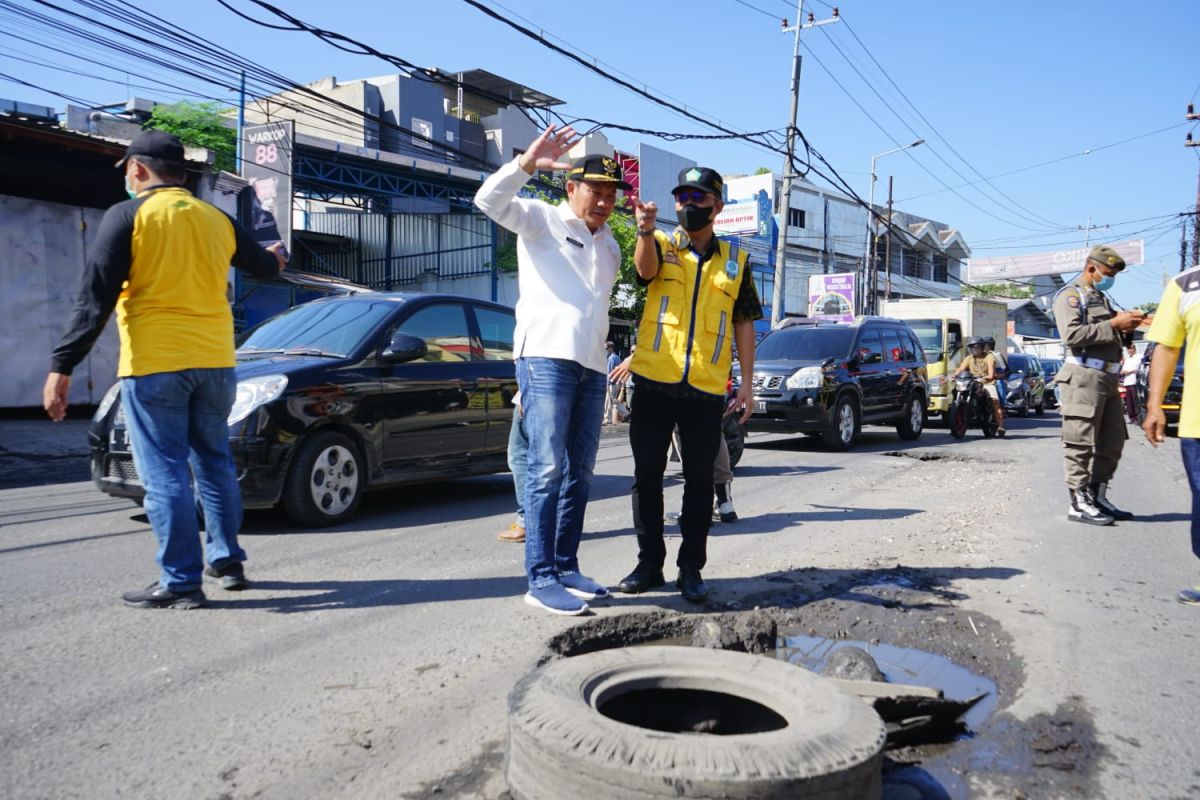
1173	399
829	379
346	394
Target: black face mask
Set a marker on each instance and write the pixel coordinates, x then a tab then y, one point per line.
694	218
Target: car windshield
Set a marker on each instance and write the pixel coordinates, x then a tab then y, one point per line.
805	344
1018	363
319	328
929	331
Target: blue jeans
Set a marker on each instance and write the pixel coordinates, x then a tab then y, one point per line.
562	402
177	420
1191	464
518	461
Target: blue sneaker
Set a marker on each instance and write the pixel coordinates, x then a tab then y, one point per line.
1190	596
582	586
555	599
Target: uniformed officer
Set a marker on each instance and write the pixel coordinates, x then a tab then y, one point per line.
1093	425
700	297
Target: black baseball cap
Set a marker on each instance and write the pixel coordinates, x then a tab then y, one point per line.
598	169
702	178
155	144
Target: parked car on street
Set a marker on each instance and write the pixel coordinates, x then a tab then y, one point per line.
1051	366
1173	399
347	394
829	379
1025	385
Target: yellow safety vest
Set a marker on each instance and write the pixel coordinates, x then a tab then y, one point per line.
686	332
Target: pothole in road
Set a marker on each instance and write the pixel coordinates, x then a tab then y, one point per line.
935	455
908	620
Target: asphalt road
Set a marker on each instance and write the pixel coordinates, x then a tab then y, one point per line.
374	659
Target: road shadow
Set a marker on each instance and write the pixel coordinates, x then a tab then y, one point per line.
900	587
333	595
775	521
1174	516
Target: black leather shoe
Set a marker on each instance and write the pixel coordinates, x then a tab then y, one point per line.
643	578
691	585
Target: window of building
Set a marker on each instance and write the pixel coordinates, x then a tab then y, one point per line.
796	217
912	263
941	268
425	129
764	282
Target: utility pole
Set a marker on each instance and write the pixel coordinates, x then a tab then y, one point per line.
887	250
1182	247
1192	115
788	167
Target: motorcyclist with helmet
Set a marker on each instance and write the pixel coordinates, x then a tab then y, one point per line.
989	346
982	365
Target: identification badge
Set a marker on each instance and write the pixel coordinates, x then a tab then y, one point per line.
731	269
572	241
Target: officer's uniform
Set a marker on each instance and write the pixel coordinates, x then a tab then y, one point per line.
1093	425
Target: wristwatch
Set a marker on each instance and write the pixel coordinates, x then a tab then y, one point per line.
642	232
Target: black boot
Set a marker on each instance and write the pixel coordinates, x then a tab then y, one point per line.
691	585
644	577
1099	490
1083	509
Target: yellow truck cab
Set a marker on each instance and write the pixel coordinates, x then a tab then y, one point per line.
943	325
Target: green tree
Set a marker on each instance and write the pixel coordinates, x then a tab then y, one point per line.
762	171
1147	308
199	125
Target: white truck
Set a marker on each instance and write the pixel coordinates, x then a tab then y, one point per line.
943	325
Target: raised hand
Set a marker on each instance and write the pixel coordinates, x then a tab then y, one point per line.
645	213
548	148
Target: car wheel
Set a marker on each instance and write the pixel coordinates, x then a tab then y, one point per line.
913	422
669	722
326	481
1023	411
956	418
1040	408
842	425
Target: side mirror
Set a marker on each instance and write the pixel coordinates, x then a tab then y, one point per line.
403	348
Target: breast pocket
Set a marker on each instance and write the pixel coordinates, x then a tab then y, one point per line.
725	284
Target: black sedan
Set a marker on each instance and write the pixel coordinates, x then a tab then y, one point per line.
342	395
1172	399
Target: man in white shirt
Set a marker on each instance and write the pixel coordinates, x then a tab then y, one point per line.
1129	369
567	263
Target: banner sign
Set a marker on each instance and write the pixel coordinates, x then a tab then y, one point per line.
831	297
737	219
1003	268
267	165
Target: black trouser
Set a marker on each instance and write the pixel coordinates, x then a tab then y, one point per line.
654	415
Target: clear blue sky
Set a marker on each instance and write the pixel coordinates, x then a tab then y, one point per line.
1006	85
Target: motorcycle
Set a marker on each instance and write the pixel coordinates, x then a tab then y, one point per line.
970	406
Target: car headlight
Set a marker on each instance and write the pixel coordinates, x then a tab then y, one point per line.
1015	383
937	384
804	378
254	392
109	398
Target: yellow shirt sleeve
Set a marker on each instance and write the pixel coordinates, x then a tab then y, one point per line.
1168	327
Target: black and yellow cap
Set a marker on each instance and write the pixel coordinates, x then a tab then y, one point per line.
598	169
1103	254
702	178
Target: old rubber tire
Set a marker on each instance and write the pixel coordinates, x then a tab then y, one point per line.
562	746
843	424
911	424
326	481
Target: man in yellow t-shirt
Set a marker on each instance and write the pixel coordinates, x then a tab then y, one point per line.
1177	323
